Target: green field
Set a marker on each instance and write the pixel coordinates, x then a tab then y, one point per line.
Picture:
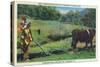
51	28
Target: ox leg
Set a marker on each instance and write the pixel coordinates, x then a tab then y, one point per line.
73	45
91	44
86	45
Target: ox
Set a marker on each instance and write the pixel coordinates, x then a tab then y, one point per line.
84	37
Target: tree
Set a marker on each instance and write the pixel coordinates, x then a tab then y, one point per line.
77	17
39	12
89	18
71	16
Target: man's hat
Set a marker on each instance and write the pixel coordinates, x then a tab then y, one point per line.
23	18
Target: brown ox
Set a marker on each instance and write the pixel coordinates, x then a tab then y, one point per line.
82	36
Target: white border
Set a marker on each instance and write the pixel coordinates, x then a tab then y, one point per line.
47	4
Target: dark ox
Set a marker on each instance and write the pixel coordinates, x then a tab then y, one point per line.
85	36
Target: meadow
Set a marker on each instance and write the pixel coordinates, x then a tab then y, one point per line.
51	38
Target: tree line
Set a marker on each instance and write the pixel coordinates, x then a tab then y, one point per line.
39	12
86	17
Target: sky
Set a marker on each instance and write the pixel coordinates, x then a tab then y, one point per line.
65	9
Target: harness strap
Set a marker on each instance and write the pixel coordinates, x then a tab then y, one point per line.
88	32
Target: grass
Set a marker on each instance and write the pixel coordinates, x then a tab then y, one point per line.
62	44
66	56
54	27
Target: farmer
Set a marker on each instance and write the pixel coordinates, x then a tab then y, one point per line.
25	37
22	24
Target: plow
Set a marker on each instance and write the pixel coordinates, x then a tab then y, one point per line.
39	45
